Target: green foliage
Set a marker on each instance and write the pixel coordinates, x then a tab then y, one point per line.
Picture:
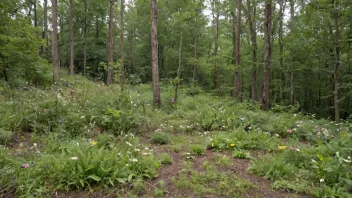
159	138
196	149
165	158
5	136
241	154
77	164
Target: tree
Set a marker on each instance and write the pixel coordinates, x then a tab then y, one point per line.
237	80
72	42
122	80
336	16
252	25
267	56
110	43
154	40
292	89
55	42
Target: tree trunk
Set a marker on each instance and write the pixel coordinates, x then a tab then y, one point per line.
179	69
292	11
237	80
122	80
217	70
35	13
45	30
253	31
337	62
267	56
72	42
281	44
55	42
195	58
111	43
155	69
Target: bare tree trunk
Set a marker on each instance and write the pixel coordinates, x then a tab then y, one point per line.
45	29
267	56
253	31
237	80
195	59
155	69
72	41
84	59
217	70
292	10
35	13
111	43
281	44
179	69
55	42
337	61
122	80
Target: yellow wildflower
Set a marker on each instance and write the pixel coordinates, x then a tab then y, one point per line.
282	147
232	145
94	143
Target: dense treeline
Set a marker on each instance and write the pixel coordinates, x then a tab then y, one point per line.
296	51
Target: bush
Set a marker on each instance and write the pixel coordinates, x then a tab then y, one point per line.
196	149
165	158
5	136
159	138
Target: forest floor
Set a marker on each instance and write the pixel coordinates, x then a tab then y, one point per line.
71	141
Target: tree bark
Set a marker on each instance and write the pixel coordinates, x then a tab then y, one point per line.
45	29
337	61
253	31
195	58
237	80
35	13
122	79
281	44
179	69
217	70
155	69
292	12
267	56
72	42
110	43
55	42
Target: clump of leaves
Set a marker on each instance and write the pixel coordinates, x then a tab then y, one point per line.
5	136
224	161
241	154
165	158
159	138
196	149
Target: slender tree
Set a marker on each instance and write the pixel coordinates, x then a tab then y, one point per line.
336	15
267	56
55	42
154	40
45	28
72	42
216	66
292	91
110	43
122	80
251	14
237	80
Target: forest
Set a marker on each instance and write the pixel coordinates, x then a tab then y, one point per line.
175	98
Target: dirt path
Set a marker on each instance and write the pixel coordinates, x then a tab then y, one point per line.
239	167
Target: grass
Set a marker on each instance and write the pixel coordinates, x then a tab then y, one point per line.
95	137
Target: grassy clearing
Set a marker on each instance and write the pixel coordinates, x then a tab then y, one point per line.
83	135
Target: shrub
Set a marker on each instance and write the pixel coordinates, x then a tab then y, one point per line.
5	136
165	158
159	138
196	149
